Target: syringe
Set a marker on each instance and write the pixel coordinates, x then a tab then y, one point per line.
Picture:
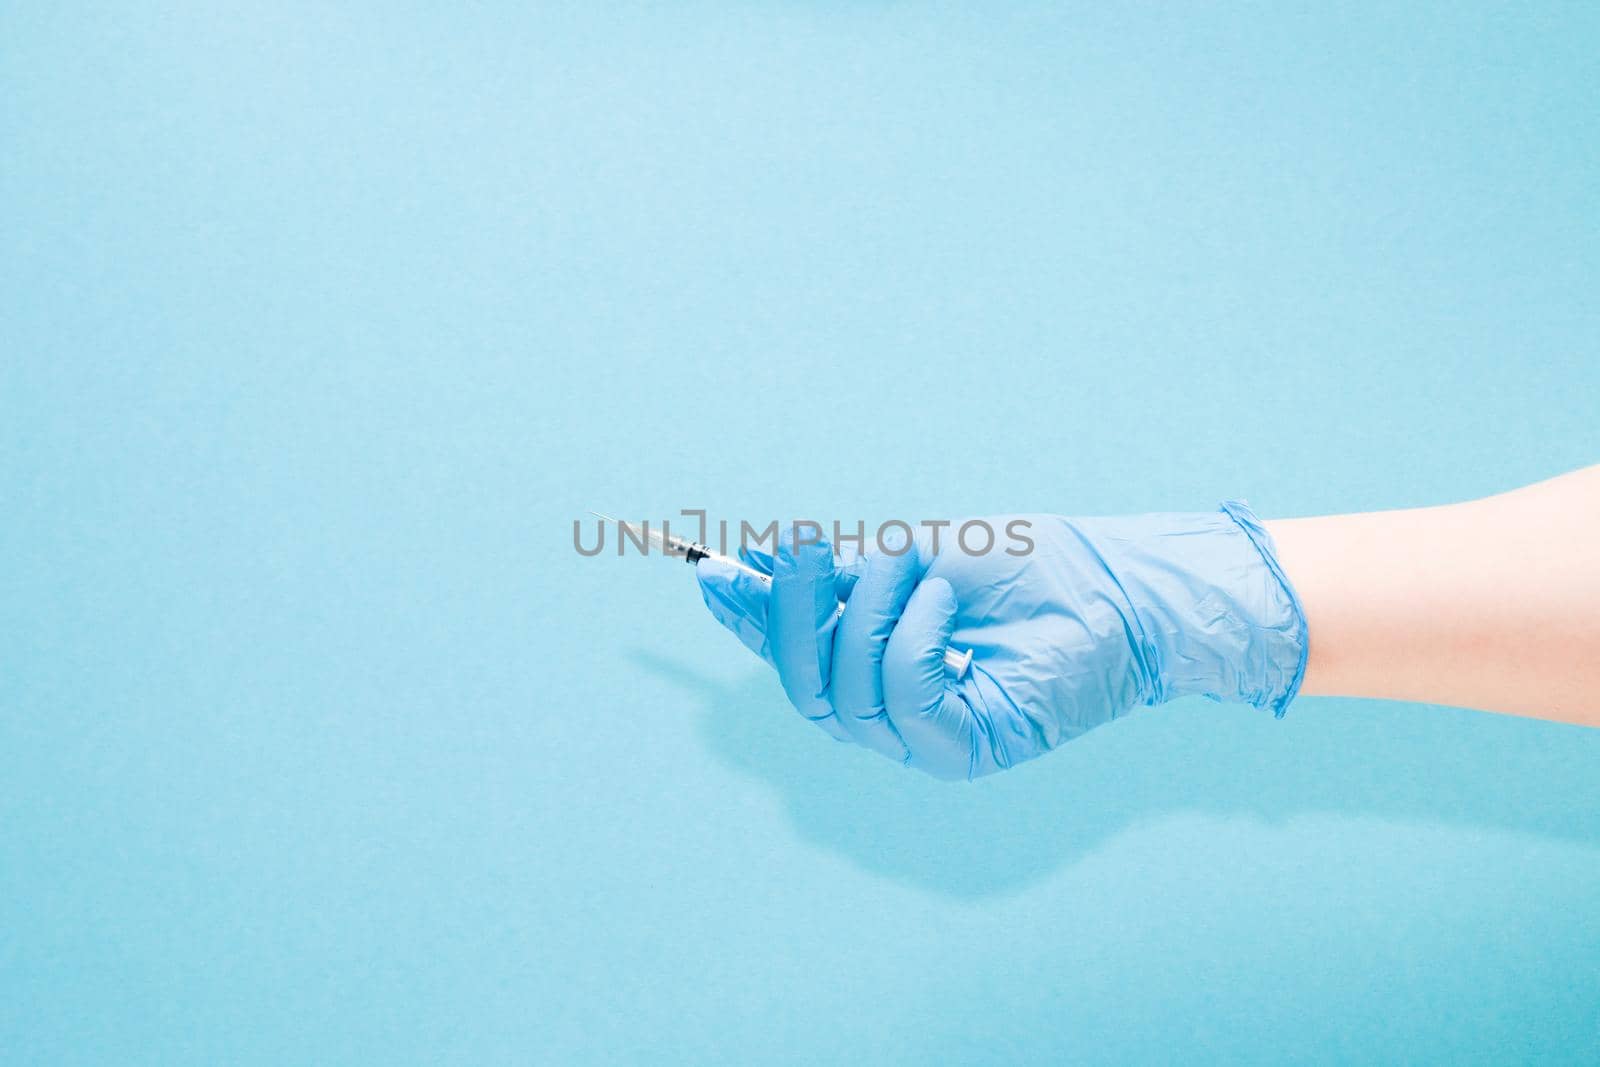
692	552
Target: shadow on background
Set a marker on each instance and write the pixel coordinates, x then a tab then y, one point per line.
1339	757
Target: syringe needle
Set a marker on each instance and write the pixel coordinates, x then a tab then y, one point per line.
655	537
620	524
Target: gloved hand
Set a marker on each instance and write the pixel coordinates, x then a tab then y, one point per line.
1104	615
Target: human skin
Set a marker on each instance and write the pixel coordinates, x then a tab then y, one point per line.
1490	604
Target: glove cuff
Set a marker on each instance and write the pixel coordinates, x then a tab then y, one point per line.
1295	634
1207	608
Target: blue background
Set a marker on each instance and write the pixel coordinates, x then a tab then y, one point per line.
318	329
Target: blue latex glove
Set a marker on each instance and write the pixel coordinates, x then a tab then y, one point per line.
1104	615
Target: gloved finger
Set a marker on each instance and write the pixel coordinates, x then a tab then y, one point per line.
848	566
802	612
930	715
858	646
738	601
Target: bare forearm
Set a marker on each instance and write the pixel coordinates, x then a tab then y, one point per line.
1491	604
